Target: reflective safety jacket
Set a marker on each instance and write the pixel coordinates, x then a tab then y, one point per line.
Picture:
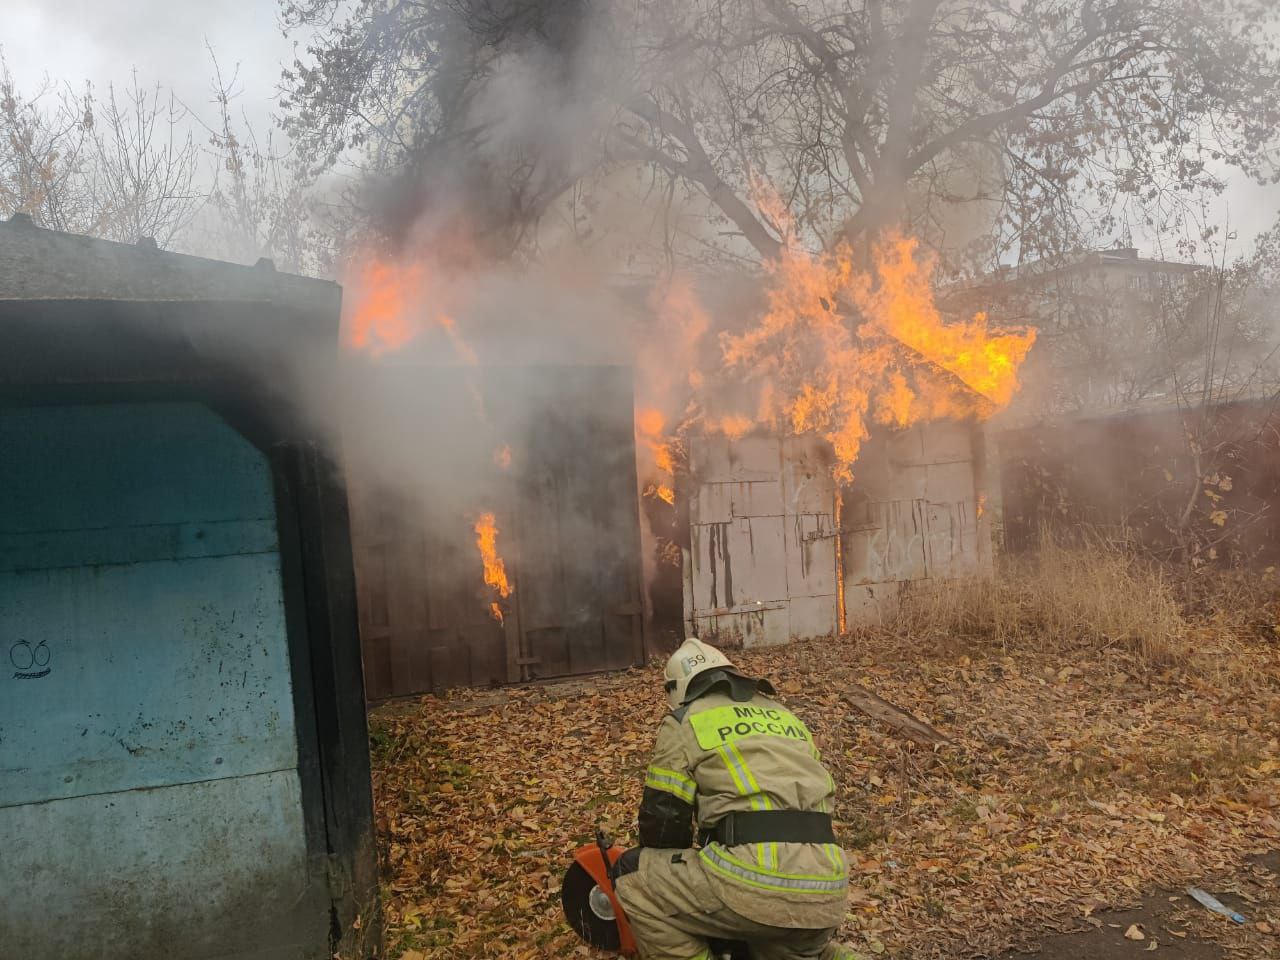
717	755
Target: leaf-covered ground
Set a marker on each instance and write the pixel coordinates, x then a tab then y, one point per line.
1075	781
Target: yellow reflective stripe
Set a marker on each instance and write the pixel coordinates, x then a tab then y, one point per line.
674	774
746	780
724	854
742	762
773	856
835	856
732	766
822	806
672	782
715	857
831	792
746	785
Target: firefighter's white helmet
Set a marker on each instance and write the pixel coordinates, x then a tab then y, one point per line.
692	658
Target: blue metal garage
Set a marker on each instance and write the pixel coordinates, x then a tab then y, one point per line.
183	761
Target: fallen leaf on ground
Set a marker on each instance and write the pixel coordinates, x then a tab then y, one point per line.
986	845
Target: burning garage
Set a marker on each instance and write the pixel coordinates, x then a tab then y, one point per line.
796	470
779	550
494	505
505	545
837	458
183	756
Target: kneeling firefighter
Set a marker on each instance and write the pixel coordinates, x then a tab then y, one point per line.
768	872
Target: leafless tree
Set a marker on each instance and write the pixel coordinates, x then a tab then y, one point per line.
1055	119
119	167
41	156
1234	368
142	172
263	201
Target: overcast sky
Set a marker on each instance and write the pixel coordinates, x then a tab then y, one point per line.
165	41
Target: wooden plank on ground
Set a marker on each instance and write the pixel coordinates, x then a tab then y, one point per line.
895	718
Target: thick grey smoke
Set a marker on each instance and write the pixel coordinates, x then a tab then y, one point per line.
483	324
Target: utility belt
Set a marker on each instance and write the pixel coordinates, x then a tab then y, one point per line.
769	826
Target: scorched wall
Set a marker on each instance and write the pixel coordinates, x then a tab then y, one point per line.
563	497
778	551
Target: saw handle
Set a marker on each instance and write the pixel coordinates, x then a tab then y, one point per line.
604	840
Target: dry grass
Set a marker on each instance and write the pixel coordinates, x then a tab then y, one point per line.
1093	593
1241	602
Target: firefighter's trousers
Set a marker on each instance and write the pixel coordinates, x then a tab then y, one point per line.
673	910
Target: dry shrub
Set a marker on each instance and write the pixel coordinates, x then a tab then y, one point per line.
1238	602
1093	592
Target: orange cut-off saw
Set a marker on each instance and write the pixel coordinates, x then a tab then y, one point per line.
590	902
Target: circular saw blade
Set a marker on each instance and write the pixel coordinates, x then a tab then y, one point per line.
575	897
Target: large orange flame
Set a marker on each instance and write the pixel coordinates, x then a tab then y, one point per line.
495	571
841	345
650	424
383	317
818	370
393	303
669	370
903	307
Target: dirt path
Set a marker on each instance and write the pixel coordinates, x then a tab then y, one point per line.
1178	926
